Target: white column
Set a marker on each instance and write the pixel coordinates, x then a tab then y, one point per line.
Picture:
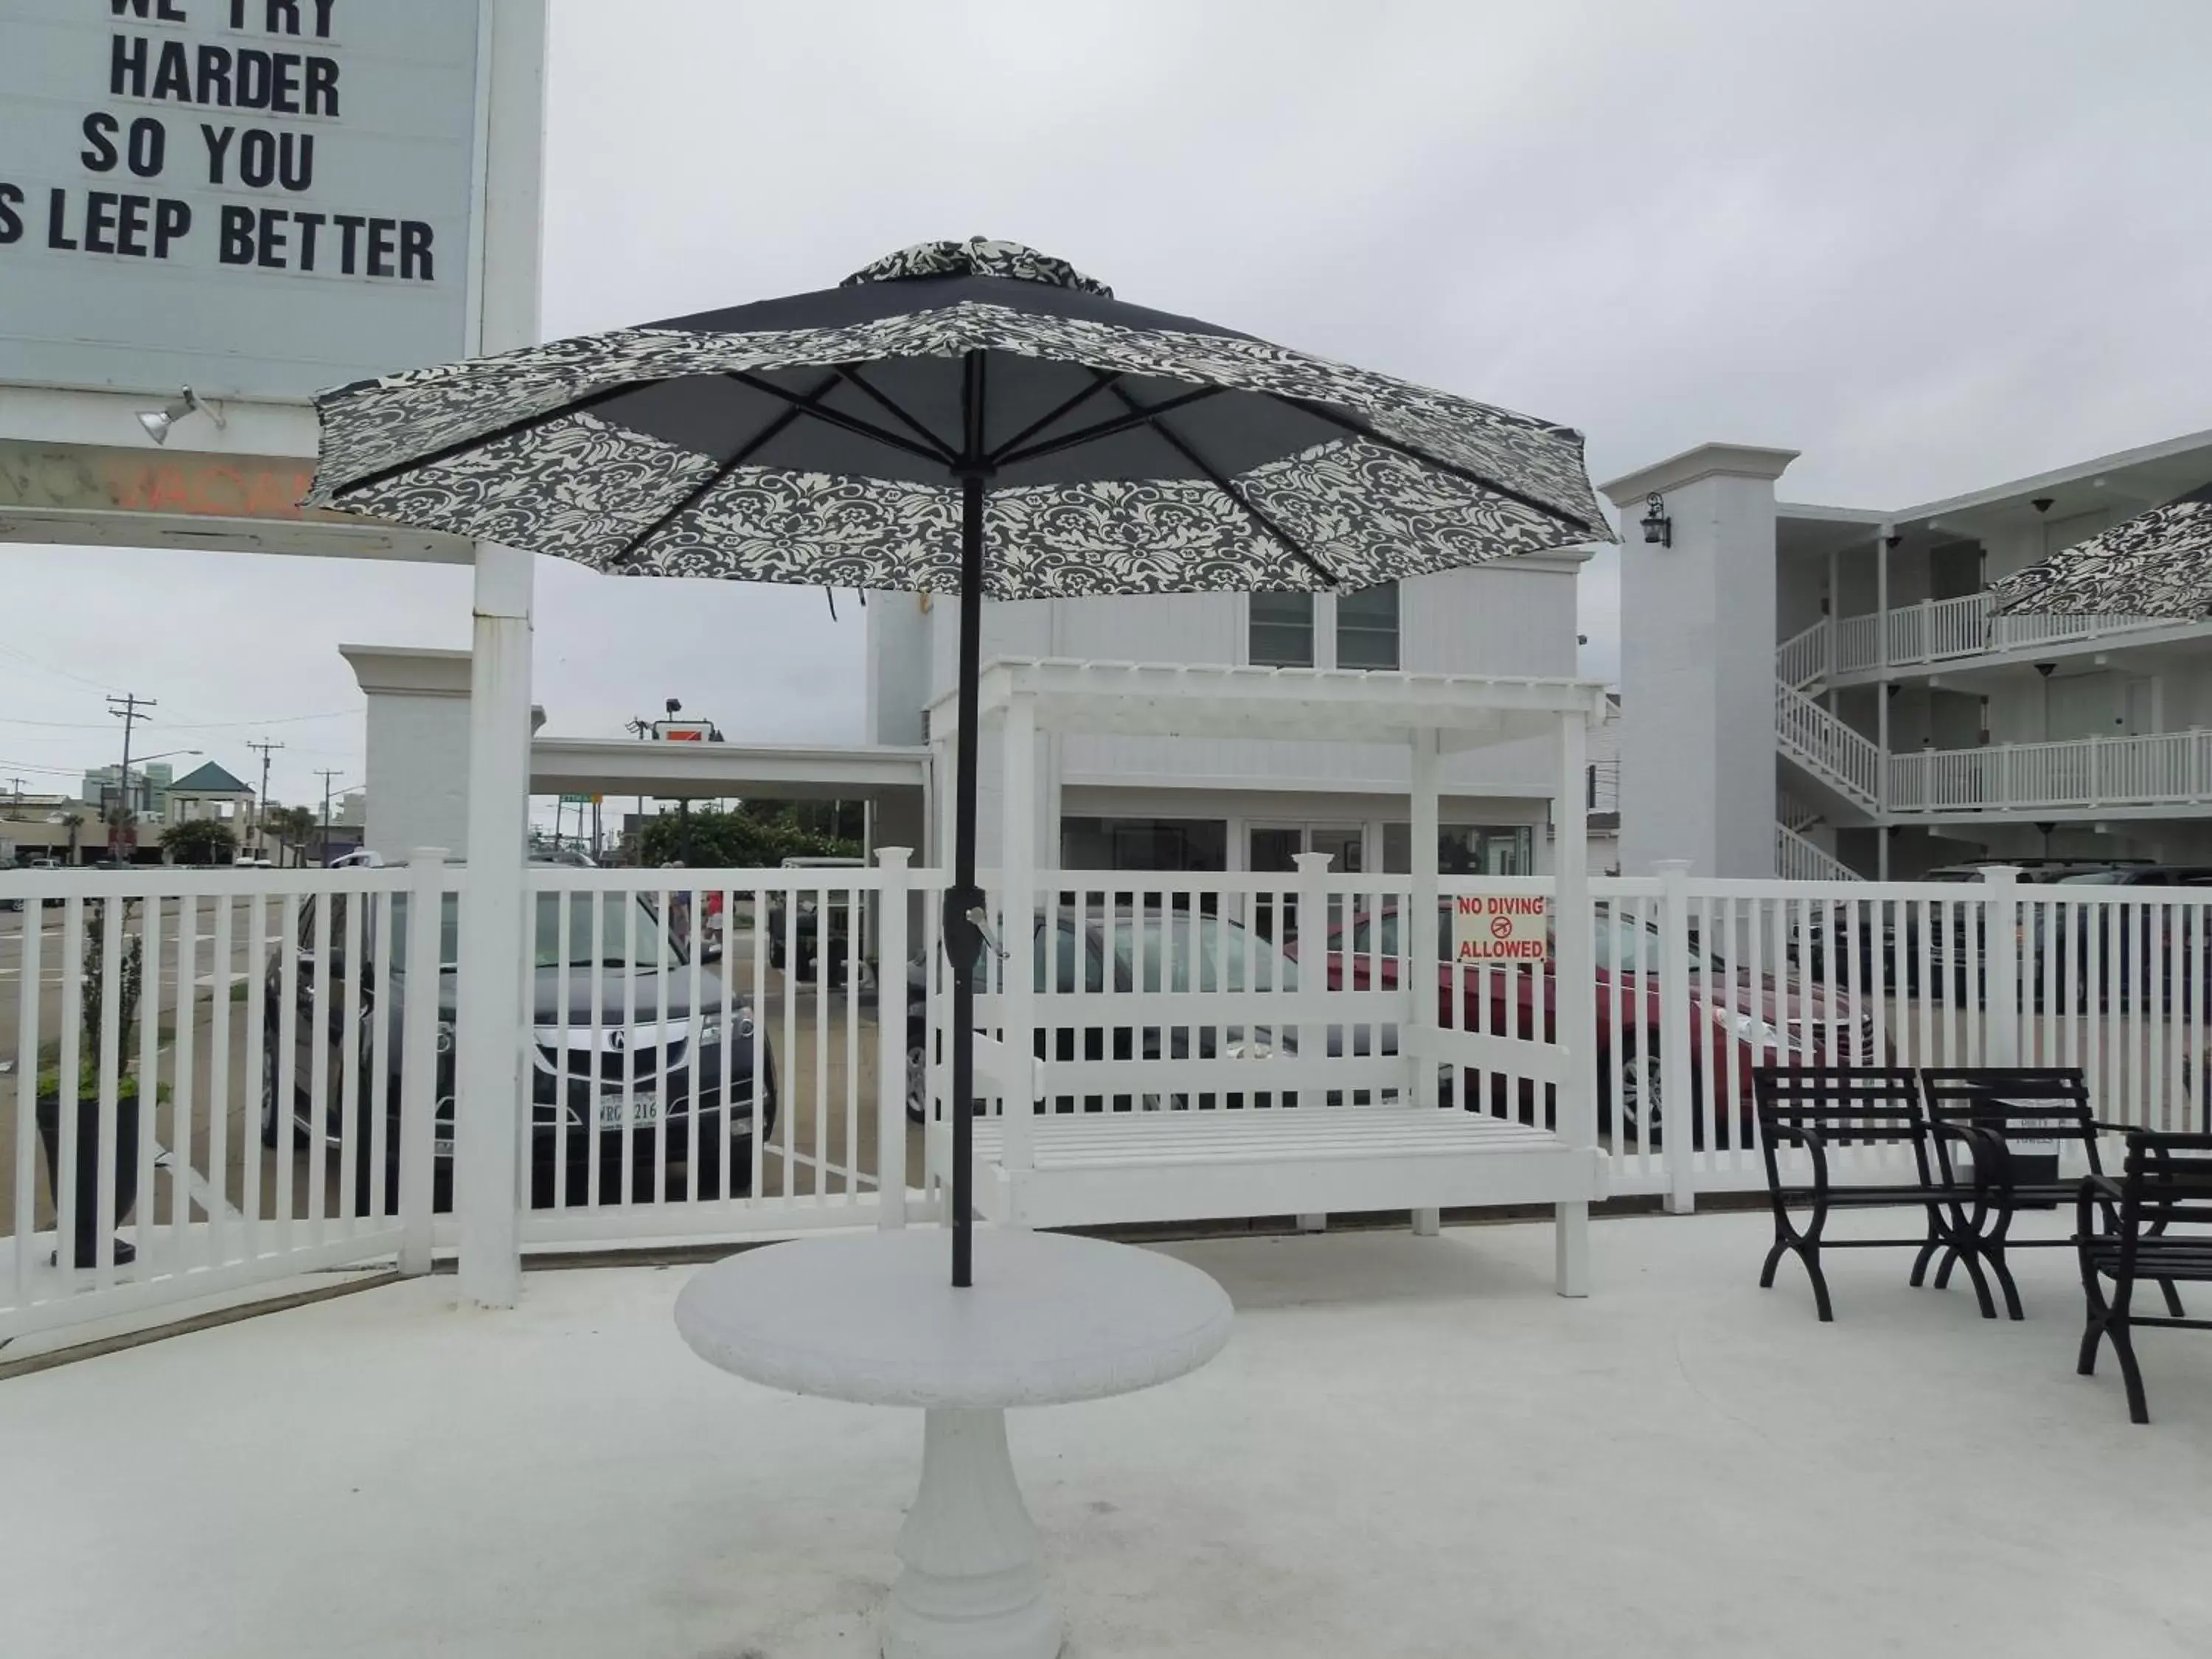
418	1058
1575	1000
1419	983
1312	880
2000	954
1697	762
1017	912
891	902
491	1072
1675	1092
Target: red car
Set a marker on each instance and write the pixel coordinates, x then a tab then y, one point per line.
1736	1022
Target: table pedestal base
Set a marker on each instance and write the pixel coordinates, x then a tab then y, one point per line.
975	1584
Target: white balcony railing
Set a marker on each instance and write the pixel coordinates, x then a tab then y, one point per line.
1847	761
1935	630
2165	768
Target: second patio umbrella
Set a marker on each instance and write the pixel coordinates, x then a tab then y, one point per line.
970	418
2158	563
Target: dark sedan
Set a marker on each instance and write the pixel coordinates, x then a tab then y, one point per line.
637	1064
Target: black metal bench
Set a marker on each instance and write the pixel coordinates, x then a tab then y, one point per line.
2121	1232
2007	1106
1819	1108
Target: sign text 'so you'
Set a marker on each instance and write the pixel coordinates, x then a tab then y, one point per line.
258	138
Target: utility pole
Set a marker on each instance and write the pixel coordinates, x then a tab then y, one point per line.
265	748
128	709
323	846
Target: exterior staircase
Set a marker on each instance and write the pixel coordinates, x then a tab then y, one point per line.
1838	771
1797	858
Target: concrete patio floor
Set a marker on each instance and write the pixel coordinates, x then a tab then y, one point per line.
1411	1447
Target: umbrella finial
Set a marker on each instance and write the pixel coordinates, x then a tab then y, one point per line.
979	256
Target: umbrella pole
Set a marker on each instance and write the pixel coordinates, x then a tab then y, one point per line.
963	941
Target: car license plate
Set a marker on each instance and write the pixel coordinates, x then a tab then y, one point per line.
644	1107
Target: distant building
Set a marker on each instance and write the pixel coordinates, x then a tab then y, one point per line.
208	791
150	786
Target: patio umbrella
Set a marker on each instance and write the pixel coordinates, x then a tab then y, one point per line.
970	418
2158	563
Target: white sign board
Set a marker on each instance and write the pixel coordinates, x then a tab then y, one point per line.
256	198
1501	927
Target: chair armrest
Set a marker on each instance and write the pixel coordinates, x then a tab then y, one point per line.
2094	1191
1795	1134
1992	1158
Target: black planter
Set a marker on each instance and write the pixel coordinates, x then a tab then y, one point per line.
83	1246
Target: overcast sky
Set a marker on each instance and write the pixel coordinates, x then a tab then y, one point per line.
1932	244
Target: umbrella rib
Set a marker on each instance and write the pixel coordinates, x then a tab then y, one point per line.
944	451
1323	412
512	428
1141	414
1220	482
832	417
1067	406
692	498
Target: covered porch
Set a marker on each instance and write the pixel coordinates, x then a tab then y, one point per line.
1200	1046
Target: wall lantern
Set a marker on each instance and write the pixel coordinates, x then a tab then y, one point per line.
1658	528
157	422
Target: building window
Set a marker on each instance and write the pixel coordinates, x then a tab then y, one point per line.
1367	627
1464	849
1169	844
1283	630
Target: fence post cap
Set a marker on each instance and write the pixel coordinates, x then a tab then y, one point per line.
1312	864
2004	873
893	855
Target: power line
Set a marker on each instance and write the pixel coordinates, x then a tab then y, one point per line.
189	725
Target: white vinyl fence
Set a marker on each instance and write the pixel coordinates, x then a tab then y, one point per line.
709	1053
197	1093
716	1054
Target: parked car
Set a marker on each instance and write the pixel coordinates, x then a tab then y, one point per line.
1132	943
1736	1022
1888	932
801	939
633	972
2105	954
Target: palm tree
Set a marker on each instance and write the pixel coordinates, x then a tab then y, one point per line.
74	820
293	825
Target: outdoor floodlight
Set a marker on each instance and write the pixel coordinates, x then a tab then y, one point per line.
2044	503
1658	528
157	422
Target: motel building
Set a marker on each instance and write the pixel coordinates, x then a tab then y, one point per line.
1820	692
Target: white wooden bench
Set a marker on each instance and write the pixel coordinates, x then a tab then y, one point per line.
1098	1168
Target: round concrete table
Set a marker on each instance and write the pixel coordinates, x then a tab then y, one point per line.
874	1319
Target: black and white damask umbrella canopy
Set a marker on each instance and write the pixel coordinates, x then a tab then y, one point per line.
969	417
2158	563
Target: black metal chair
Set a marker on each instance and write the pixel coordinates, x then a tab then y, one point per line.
1819	1108
2009	1105
2121	1232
